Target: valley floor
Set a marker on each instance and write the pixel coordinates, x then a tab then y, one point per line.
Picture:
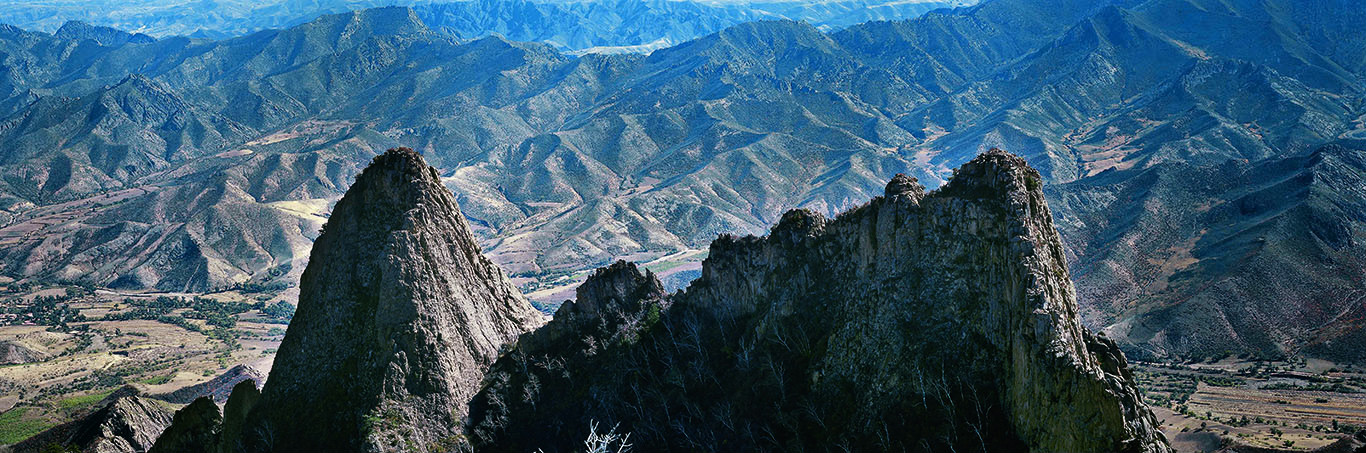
63	348
56	363
1286	405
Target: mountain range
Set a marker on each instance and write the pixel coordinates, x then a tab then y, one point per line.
578	25
824	334
1193	149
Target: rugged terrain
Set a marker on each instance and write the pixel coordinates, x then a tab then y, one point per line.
195	165
937	322
917	321
399	314
123	422
1260	259
591	25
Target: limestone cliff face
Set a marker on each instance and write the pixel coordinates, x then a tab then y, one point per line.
399	314
124	422
916	322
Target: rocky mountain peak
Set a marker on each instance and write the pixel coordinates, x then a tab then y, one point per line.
798	224
609	289
905	186
994	173
613	301
942	321
399	314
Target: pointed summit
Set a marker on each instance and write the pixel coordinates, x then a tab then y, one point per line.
399	316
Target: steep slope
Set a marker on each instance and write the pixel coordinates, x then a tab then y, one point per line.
196	233
236	148
940	321
558	156
1133	87
124	422
107	138
77	61
1261	259
399	314
194	429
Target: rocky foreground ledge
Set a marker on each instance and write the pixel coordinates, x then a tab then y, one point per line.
941	321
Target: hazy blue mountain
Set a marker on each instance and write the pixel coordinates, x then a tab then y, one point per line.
596	25
228	153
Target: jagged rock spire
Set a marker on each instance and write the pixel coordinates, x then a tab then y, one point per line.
399	315
927	322
905	186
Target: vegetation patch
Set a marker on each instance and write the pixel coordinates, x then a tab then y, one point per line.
83	400
14	427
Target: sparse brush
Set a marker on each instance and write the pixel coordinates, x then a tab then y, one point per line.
608	442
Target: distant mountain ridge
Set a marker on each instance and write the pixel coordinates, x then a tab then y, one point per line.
186	164
580	25
1260	255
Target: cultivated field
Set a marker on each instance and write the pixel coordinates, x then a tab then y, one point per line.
1288	405
64	348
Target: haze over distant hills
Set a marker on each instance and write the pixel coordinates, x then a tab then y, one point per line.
1182	143
595	25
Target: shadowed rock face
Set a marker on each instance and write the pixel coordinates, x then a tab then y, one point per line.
916	322
194	429
399	315
925	322
244	397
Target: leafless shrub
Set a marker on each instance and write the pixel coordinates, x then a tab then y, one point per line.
608	442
